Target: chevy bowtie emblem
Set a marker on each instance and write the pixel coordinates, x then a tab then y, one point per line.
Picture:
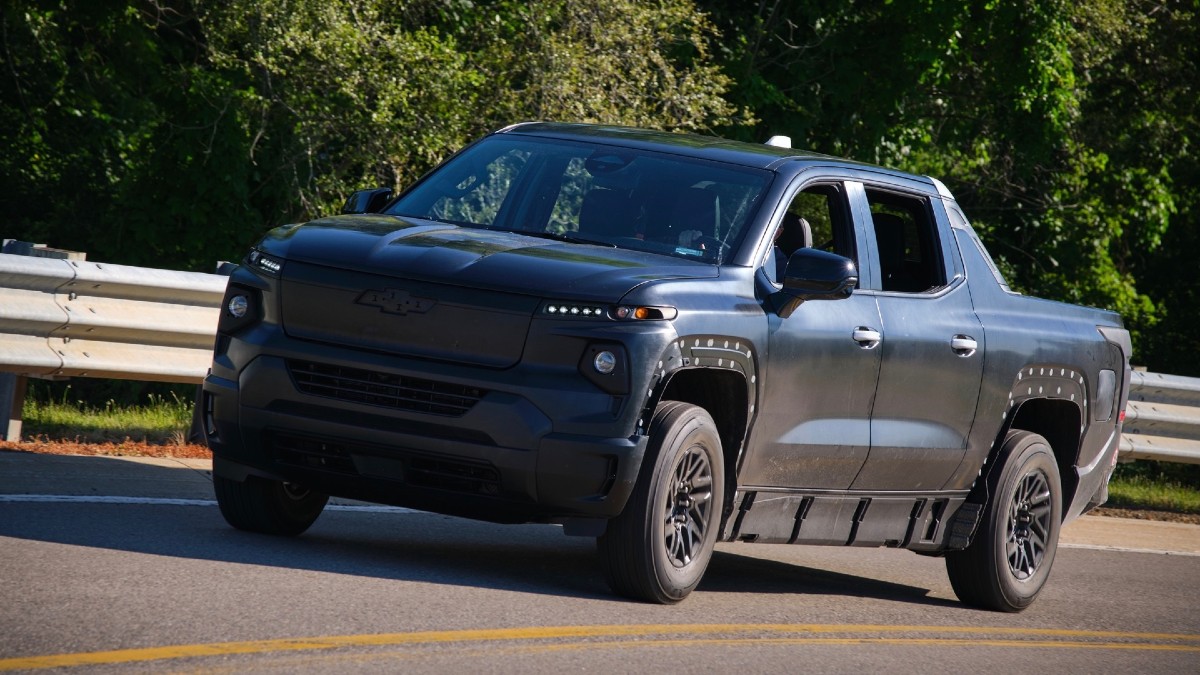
395	301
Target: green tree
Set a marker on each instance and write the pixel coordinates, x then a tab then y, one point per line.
83	122
1146	108
171	134
1010	104
618	62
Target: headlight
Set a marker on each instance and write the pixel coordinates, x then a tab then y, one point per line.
264	263
646	313
574	309
581	310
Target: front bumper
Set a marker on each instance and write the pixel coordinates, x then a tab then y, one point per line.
502	460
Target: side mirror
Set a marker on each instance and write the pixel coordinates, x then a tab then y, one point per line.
813	274
368	201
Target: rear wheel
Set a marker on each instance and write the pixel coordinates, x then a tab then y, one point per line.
267	506
658	548
1009	560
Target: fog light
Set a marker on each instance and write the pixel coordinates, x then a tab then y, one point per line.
605	362
237	306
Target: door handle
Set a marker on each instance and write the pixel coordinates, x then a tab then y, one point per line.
963	345
867	338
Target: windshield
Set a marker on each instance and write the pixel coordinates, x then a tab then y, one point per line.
592	193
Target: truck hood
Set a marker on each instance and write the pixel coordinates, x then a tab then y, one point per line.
475	258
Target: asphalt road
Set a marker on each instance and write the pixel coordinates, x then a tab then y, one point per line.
111	565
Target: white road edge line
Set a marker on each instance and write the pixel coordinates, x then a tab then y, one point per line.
354	508
1123	549
163	501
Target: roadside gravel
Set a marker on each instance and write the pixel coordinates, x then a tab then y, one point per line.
126	448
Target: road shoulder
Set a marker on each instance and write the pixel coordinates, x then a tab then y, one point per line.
1131	534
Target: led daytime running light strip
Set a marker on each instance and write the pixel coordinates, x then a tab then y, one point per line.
622	313
264	262
574	310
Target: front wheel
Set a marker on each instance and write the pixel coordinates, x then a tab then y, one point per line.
1009	559
658	548
267	506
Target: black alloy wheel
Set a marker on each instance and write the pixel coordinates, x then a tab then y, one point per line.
687	513
1009	559
1029	525
660	545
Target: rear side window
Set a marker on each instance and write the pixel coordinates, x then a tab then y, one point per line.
909	257
959	222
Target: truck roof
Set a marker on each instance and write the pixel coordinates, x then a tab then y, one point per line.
758	155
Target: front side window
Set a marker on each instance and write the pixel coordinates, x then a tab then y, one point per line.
818	217
593	193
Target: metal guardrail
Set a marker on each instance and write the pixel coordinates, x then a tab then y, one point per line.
86	319
1162	419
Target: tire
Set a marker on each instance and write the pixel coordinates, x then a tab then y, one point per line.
660	545
1008	561
267	506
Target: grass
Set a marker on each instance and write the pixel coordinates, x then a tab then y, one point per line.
162	420
1143	492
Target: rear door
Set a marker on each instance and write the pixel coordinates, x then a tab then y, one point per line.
932	346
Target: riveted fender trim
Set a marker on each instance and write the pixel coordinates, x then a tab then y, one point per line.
1054	382
719	352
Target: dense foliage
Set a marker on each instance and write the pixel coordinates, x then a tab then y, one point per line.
1064	128
172	133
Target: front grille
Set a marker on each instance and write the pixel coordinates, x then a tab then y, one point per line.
385	390
312	454
457	476
414	469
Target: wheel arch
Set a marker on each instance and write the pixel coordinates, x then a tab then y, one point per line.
717	373
726	395
1046	399
1058	421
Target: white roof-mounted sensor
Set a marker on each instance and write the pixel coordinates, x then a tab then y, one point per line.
780	141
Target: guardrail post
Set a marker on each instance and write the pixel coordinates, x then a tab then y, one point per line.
12	402
13	387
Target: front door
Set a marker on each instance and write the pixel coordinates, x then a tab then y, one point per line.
813	426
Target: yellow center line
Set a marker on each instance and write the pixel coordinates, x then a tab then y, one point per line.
829	641
1066	639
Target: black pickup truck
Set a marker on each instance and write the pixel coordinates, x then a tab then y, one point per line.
665	341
